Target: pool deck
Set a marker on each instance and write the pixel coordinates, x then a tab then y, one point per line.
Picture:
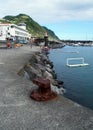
19	112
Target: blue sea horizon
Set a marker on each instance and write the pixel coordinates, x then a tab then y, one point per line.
78	81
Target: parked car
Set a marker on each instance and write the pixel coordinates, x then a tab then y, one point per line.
23	41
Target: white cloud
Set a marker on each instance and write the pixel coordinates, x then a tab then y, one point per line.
46	11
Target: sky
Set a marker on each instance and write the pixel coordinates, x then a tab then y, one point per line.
69	19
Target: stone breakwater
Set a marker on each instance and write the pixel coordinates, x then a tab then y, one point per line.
40	66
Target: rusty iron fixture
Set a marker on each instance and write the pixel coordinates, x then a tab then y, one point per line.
44	92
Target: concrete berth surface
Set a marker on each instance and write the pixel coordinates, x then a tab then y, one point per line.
19	112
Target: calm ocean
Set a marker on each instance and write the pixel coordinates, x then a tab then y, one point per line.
78	81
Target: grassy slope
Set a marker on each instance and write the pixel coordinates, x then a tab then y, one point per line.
33	27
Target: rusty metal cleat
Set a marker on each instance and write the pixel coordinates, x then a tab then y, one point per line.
43	93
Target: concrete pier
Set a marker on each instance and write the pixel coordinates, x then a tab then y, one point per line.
19	112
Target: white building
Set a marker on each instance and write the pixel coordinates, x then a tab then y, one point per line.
12	31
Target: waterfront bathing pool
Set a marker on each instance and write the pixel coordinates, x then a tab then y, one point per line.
78	81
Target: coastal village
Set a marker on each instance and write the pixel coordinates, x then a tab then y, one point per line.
31	97
18	34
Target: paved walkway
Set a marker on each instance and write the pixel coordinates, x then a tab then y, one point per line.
19	112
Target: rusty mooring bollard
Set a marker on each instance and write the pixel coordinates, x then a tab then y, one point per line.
43	93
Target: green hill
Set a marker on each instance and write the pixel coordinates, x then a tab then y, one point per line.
32	26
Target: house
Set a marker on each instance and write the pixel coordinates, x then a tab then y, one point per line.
14	32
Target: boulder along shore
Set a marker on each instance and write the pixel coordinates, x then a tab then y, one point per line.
39	66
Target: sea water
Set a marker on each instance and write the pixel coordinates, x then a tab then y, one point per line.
78	81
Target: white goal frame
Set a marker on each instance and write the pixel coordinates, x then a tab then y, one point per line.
76	65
